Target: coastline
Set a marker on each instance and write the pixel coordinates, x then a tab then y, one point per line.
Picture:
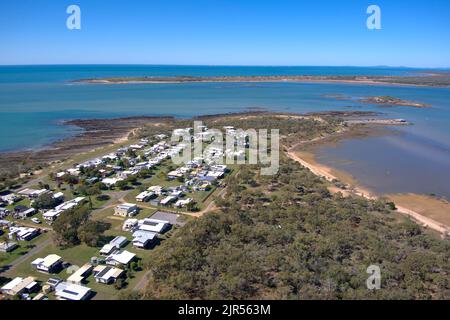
428	211
96	133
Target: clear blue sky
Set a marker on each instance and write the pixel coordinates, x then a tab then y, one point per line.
414	33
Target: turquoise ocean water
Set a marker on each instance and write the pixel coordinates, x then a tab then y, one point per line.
35	99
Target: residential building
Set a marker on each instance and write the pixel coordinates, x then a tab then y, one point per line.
145	196
81	274
19	285
33	193
22	233
49	264
51	215
73	292
114	245
183	203
143	239
167	200
107	274
130	224
120	258
153	225
126	210
8	246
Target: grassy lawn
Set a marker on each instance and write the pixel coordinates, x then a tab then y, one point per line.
24	247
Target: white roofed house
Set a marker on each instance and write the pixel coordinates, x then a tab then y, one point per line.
168	200
130	224
22	233
126	210
74	172
123	258
143	239
50	264
160	136
107	274
11	198
153	225
184	202
73	292
158	190
58	196
81	274
175	174
8	246
23	212
109	182
70	204
19	285
114	245
33	193
51	215
137	146
145	196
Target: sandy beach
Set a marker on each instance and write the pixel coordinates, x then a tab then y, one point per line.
427	211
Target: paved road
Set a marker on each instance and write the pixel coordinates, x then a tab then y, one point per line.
39	247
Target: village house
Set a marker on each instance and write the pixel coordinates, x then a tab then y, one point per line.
126	210
51	215
175	174
153	225
143	239
145	196
74	172
70	204
8	246
183	203
123	258
5	224
110	157
130	224
22	233
11	198
81	274
158	190
33	193
4	213
168	200
23	212
114	245
89	164
19	285
110	182
161	136
107	274
72	292
50	264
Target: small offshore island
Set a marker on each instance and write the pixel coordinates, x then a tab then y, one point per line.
393	101
441	79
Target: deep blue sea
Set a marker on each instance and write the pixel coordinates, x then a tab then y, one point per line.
35	99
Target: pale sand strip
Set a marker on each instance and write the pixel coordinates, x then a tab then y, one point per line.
324	172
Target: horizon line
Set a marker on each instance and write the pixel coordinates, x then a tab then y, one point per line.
216	65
